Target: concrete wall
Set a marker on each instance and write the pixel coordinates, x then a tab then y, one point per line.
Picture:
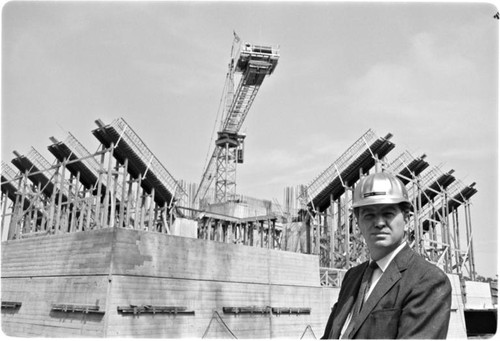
206	276
184	228
113	268
478	295
456	328
58	269
239	210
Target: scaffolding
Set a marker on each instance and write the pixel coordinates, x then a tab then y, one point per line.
123	185
38	169
406	167
21	204
440	217
142	163
345	171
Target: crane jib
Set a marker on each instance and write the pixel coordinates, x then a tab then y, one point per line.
254	62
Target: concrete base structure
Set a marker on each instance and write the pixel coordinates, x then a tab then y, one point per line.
129	283
199	284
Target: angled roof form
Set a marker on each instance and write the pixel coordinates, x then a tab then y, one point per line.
405	166
9	185
81	161
457	194
346	169
432	182
39	171
141	161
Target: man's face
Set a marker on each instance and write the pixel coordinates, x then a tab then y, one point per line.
383	227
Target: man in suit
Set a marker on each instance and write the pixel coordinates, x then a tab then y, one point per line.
397	294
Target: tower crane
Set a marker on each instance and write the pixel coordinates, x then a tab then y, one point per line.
254	62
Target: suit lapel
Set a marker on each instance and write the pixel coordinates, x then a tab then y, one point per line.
347	300
390	277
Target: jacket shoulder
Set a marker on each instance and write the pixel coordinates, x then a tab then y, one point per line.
426	269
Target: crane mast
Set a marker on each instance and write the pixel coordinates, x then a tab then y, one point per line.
254	62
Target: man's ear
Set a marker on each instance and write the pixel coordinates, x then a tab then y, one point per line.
407	217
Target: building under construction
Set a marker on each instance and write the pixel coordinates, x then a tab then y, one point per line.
110	243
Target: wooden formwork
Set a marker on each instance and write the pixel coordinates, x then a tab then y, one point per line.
439	224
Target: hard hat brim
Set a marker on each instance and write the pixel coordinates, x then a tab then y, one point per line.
381	201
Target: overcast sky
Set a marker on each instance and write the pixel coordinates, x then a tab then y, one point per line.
427	73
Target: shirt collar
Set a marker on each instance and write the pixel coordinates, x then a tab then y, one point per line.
384	262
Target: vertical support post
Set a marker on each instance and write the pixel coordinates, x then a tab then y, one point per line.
456	229
83	207
59	197
124	199
204	228
253	229
156	209
13	218
23	186
416	210
332	231
245	231
339	222
446	234
137	210
151	211
249	233
97	218
325	234
113	194
74	194
261	233
418	214
471	247
346	229
37	201
268	234
432	236
105	220
43	223
201	227
163	221
318	233
130	201
143	201
90	203
218	235
5	231
71	201
53	200
274	234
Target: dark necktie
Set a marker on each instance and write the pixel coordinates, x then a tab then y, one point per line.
366	282
363	290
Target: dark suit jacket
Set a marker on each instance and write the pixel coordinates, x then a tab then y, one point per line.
412	299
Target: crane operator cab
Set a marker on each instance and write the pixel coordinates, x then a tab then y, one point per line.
255	62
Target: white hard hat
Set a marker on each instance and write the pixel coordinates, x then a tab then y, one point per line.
379	188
